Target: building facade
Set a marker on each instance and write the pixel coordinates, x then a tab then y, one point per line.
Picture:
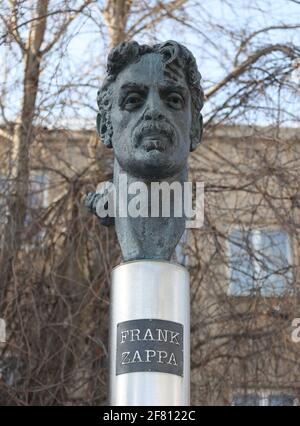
244	260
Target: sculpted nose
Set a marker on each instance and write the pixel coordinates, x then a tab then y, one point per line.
153	114
154	107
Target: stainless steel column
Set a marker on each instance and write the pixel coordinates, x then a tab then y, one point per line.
151	290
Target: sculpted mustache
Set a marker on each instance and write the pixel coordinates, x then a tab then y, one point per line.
164	128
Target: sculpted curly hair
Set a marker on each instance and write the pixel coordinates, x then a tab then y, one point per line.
172	53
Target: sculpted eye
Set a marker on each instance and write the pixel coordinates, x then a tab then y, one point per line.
175	100
133	100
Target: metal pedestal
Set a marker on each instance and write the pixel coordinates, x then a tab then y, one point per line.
149	334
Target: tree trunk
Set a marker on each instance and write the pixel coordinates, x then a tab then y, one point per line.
21	145
116	15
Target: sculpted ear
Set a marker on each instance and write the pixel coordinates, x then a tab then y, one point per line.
104	129
196	132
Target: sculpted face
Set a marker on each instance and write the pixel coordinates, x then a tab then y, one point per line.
151	118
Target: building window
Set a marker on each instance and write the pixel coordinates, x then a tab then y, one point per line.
38	193
3	199
259	262
11	370
37	196
263	399
37	200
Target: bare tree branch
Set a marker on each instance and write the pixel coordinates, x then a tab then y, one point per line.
240	69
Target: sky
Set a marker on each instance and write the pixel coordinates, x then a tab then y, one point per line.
71	75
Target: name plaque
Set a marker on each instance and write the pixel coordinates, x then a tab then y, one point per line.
149	345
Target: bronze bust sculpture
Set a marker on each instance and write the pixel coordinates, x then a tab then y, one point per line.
149	113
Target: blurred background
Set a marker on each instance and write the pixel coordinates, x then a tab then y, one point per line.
56	258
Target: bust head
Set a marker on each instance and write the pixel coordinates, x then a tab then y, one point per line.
149	108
